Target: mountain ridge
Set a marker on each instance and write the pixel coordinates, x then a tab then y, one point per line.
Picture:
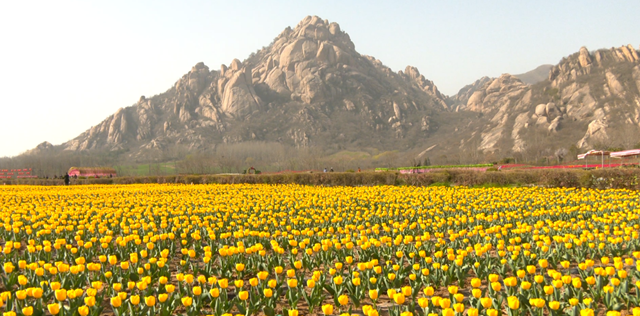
535	75
311	88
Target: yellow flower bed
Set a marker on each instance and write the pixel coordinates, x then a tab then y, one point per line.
297	250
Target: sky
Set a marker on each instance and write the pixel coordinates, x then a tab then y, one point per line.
67	65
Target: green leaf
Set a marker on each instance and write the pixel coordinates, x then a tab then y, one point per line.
268	311
329	289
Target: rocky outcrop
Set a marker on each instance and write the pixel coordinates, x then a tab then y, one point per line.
460	100
583	92
495	93
238	97
413	75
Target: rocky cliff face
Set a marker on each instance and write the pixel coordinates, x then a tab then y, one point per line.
590	99
305	88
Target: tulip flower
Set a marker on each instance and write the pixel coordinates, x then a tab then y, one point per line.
186	301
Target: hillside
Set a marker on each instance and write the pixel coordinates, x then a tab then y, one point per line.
536	75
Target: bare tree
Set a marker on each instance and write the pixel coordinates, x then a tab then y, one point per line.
560	153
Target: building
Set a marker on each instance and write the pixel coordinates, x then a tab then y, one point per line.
92	172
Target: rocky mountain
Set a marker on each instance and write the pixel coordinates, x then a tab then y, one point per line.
536	75
311	88
589	99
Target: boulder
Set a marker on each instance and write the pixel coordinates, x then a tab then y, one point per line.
541	109
584	57
614	85
555	124
236	65
629	54
117	127
597	131
297	51
396	110
277	80
239	97
348	105
326	54
321	33
551	109
334	28
475	101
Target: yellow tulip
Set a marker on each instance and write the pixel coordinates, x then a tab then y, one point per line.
327	309
590	312
150	300
428	291
90	301
22	294
448	312
486	302
61	295
83	310
53	309
445	303
116	301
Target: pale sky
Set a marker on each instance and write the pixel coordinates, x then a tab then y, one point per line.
67	65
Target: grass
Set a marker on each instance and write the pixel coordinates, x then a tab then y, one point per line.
165	168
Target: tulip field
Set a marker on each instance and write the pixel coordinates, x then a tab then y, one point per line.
292	250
